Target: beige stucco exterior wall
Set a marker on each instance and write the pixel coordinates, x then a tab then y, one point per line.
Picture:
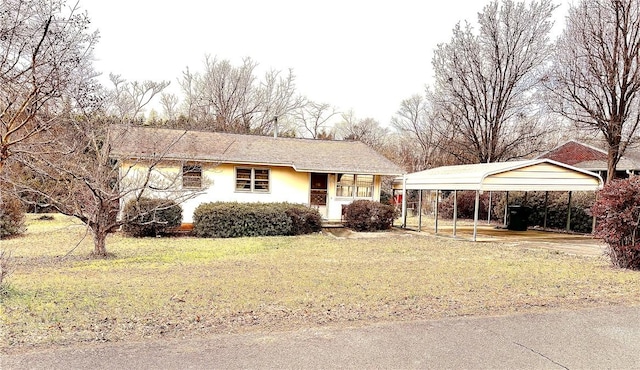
286	185
219	184
164	175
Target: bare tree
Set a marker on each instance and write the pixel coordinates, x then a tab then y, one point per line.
278	98
223	95
128	99
416	124
486	82
77	172
45	54
596	75
169	103
313	119
232	99
78	176
366	130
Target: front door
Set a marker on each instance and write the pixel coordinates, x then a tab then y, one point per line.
318	197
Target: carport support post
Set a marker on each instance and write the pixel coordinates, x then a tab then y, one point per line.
506	209
475	216
420	211
436	212
489	210
569	213
546	209
455	211
404	202
593	222
393	201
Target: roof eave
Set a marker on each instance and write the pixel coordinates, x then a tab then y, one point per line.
265	164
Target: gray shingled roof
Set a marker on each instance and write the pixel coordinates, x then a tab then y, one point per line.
304	155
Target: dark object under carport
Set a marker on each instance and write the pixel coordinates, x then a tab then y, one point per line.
518	218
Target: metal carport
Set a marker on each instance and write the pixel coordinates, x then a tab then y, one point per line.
529	175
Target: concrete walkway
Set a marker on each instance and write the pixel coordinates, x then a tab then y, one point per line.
588	339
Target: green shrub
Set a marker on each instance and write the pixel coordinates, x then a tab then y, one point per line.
11	216
581	219
617	212
466	203
231	219
557	202
151	217
304	220
366	215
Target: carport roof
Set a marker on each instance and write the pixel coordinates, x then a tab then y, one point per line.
529	175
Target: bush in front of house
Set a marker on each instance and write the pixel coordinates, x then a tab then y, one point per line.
617	212
366	215
231	219
11	216
304	220
151	217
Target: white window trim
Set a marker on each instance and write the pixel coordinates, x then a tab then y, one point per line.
354	192
193	165
252	180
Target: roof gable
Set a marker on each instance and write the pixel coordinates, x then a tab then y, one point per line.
304	155
585	156
573	152
540	174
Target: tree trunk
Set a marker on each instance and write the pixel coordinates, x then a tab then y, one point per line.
612	162
99	242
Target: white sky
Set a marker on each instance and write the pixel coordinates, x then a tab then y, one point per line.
362	55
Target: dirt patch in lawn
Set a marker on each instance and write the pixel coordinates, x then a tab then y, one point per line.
345	233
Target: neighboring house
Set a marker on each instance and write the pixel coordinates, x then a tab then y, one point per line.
215	166
593	159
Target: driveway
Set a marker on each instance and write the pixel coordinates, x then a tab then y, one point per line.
607	337
570	243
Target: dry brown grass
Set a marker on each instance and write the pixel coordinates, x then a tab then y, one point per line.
183	287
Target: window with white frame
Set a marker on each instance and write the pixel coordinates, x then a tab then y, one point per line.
354	186
191	176
253	180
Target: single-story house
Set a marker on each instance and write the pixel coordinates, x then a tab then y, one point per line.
594	159
214	166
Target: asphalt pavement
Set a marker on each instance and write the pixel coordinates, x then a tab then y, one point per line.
600	338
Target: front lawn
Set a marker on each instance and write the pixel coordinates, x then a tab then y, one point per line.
184	287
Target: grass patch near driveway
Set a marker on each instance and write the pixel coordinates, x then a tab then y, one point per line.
184	287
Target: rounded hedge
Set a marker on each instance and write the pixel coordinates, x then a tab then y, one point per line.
304	220
150	217
366	215
232	219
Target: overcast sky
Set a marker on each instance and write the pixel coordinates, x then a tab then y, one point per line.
362	55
